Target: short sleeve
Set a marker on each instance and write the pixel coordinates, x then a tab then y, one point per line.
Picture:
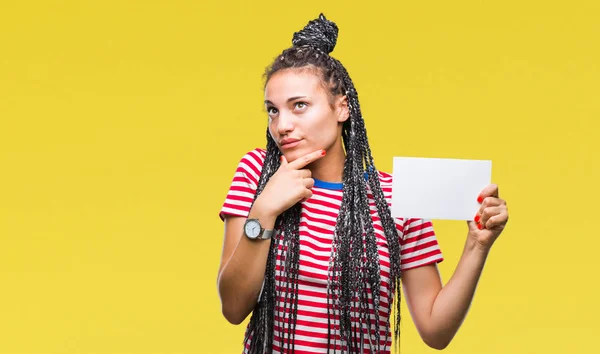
243	186
419	245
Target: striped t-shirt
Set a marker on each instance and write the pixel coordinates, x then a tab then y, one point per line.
318	217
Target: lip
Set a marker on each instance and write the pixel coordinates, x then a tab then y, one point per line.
289	143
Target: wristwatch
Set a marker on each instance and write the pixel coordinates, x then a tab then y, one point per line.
254	230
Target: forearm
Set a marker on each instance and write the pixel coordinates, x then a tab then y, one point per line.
242	276
453	301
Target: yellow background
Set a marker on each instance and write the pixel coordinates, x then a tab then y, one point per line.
121	123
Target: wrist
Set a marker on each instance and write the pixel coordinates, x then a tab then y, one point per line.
473	245
263	213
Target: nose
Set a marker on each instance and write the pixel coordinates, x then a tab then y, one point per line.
285	123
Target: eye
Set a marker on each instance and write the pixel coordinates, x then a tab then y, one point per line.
301	105
271	110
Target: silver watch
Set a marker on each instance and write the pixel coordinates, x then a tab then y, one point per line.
254	230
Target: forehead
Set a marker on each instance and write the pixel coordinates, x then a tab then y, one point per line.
289	83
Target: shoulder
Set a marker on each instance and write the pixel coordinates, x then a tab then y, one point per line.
250	166
253	160
385	180
256	155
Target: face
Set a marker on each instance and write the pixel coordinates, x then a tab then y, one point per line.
302	118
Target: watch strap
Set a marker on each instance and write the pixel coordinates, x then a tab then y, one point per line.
266	234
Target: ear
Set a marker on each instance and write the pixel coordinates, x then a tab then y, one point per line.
342	109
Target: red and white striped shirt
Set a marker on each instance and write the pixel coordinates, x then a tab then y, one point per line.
318	217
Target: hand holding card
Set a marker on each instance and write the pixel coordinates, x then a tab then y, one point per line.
450	189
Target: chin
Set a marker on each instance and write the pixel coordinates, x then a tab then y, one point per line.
293	154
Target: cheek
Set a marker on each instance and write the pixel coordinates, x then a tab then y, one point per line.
326	130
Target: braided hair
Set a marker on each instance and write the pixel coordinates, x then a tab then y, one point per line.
354	270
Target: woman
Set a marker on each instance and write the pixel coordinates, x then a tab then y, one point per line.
310	248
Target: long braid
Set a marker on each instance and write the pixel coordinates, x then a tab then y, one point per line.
354	272
382	206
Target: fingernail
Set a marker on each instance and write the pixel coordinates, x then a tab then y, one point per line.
477	218
281	158
480	199
479	226
323	152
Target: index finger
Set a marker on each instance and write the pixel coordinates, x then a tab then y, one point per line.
302	161
489	191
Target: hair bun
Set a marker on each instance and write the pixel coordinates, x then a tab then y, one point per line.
319	33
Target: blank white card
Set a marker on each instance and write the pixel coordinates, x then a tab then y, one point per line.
432	188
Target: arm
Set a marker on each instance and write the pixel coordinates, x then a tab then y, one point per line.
242	268
243	261
438	312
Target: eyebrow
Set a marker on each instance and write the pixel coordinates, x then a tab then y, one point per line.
288	100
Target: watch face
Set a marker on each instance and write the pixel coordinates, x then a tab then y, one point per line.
252	229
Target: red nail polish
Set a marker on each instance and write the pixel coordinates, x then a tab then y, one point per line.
479	226
477	218
323	152
480	199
